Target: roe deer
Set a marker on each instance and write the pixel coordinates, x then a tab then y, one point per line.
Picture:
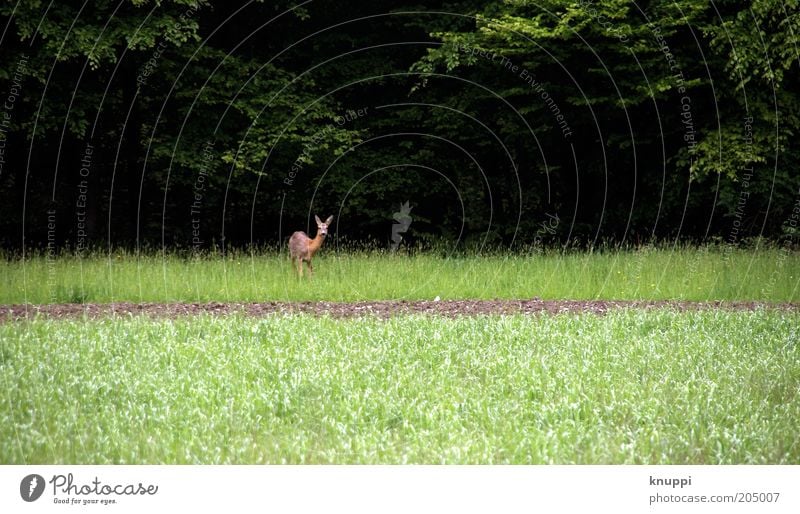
302	248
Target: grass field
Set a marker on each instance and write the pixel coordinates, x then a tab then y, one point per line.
631	386
708	273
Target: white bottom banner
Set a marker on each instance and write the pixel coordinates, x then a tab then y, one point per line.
355	489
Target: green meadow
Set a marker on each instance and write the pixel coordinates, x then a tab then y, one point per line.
683	273
631	386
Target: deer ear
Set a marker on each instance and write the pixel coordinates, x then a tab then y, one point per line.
319	221
328	221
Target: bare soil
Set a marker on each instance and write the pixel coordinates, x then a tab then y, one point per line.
382	309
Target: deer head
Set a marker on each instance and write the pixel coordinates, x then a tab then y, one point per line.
322	228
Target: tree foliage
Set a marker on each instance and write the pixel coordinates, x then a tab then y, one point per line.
209	122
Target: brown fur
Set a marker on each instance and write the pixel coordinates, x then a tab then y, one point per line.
302	248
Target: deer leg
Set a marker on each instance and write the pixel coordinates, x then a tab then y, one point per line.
310	268
300	266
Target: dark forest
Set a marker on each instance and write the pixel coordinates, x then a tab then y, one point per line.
196	124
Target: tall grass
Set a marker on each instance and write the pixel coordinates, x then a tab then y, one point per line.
706	273
655	387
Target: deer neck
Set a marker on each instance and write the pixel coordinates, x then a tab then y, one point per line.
315	243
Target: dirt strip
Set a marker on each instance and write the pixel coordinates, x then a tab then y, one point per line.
383	309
